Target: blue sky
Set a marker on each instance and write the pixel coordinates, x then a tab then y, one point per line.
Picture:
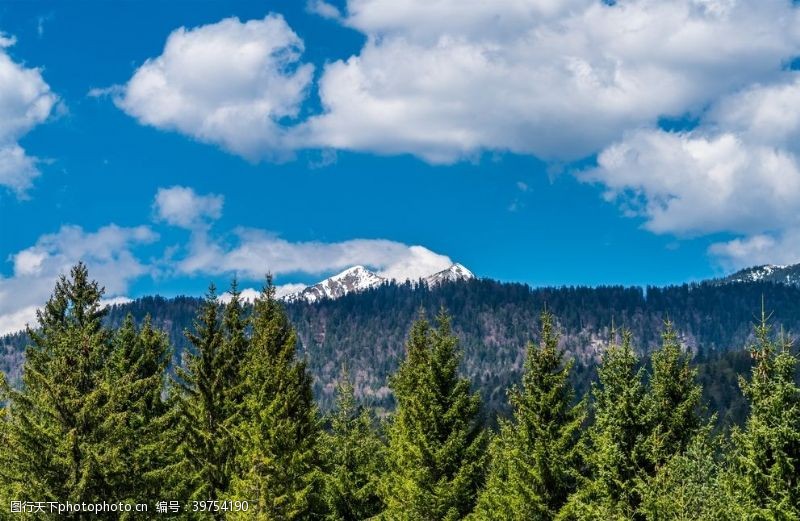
548	143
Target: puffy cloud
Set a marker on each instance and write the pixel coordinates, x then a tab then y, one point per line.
694	182
257	252
182	206
736	172
228	83
775	248
445	80
108	252
25	101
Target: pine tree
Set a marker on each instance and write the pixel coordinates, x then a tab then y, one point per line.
208	445
279	460
765	466
60	434
353	456
672	402
615	454
535	456
436	453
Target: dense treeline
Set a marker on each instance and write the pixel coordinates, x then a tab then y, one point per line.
100	418
492	320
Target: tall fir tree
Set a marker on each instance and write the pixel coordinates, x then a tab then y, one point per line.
204	383
615	451
672	402
765	460
279	461
353	454
535	456
437	446
61	439
146	422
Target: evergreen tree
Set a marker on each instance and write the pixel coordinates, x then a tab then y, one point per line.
279	461
672	403
689	485
615	454
765	466
60	437
142	464
535	459
436	453
207	442
353	456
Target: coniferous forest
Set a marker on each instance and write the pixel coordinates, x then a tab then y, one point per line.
232	430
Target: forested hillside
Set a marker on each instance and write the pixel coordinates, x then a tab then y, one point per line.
102	426
366	331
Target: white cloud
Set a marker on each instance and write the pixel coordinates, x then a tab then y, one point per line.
737	172
258	252
25	101
228	83
182	206
445	80
108	253
697	182
323	9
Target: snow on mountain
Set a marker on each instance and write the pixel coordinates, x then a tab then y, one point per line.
454	272
766	273
359	278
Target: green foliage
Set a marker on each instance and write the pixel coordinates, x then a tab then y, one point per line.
672	402
204	387
354	456
615	452
279	428
436	454
765	463
86	424
535	456
689	485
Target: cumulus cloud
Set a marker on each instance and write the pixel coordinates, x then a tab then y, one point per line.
181	206
446	80
256	252
108	252
229	83
737	172
696	182
25	101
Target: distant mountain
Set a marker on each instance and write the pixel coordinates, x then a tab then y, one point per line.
359	278
766	273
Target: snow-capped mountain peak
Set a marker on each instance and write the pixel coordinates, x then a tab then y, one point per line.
455	272
359	278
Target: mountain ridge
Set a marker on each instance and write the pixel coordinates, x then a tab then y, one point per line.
358	278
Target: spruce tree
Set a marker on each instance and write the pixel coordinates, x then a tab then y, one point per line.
279	461
689	485
615	454
765	464
208	445
353	454
136	373
60	437
535	456
437	447
672	402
